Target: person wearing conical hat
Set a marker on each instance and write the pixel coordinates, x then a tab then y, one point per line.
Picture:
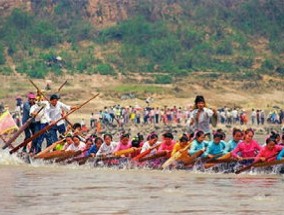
200	117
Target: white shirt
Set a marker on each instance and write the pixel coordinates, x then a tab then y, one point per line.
43	115
203	121
106	149
147	146
55	112
72	147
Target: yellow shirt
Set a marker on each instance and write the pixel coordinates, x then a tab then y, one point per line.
184	153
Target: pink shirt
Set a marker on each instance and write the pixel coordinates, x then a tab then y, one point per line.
269	154
247	150
120	146
166	147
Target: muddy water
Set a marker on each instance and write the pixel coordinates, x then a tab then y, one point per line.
53	189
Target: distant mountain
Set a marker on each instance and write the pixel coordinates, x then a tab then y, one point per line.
162	40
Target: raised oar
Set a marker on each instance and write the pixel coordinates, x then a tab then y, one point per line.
175	156
62	85
38	90
21	129
49	148
146	152
49	126
41	93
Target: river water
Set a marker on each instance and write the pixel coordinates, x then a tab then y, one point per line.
52	189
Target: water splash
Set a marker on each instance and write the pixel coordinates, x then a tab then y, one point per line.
7	159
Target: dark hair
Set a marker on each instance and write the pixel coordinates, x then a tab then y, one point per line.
97	139
76	136
282	136
274	134
168	135
54	96
199	99
270	139
152	136
183	138
127	135
218	135
249	130
108	135
198	134
76	125
236	130
135	143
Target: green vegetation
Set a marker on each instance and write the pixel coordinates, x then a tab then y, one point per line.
212	35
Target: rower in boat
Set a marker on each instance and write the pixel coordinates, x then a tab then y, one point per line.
237	137
77	145
123	144
198	143
270	151
94	149
181	146
107	147
248	148
167	144
216	148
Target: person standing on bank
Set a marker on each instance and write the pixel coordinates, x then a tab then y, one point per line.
56	111
200	117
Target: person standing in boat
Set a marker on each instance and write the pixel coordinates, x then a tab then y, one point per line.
31	129
56	110
200	117
42	120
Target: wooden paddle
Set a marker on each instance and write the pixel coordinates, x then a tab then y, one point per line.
67	155
253	164
175	156
62	85
146	152
21	129
269	163
49	126
127	151
154	156
49	148
52	155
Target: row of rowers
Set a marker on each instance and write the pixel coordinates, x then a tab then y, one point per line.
241	146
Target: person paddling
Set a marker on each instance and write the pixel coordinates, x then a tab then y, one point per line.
270	151
248	148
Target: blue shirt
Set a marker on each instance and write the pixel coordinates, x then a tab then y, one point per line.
93	150
280	156
26	112
196	146
215	148
231	145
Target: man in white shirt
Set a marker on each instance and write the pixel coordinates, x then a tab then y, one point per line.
43	120
56	110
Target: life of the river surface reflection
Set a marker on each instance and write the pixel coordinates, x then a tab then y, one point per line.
53	189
